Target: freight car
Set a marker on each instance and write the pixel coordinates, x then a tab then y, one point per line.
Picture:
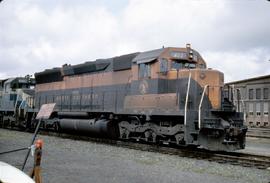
165	95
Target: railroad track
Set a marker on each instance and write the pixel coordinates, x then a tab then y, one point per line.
233	158
259	132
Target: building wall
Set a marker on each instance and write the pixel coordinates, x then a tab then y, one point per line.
252	96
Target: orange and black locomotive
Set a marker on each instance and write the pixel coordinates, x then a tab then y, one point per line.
165	95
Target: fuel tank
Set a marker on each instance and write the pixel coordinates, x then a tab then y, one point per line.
91	127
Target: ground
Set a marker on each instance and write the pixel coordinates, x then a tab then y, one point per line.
257	146
69	161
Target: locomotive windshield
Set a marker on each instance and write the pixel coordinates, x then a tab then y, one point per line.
177	65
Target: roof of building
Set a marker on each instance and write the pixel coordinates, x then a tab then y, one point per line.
249	79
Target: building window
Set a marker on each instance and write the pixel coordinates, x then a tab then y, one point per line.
265	109
258	109
250	123
258	93
265	124
144	70
265	93
258	123
250	109
250	93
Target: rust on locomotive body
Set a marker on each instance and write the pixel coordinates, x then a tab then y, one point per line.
165	95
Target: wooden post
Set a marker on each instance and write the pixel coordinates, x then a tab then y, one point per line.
36	172
43	114
32	141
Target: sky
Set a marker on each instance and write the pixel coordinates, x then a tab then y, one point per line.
233	36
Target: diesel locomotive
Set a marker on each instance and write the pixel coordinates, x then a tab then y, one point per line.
167	95
17	101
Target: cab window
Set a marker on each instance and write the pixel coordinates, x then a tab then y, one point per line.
144	70
163	65
190	65
177	65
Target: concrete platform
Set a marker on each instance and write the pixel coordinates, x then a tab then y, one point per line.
70	161
259	146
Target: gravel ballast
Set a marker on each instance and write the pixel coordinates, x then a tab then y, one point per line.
66	160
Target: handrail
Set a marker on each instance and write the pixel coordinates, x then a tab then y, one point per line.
186	103
242	104
200	106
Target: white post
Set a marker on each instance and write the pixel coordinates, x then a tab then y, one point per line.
200	106
186	103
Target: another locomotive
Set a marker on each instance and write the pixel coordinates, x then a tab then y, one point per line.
165	95
17	101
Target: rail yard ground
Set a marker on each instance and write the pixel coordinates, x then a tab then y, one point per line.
66	160
259	146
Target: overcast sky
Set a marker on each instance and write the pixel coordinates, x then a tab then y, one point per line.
232	35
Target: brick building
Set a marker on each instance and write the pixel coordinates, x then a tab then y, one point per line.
252	96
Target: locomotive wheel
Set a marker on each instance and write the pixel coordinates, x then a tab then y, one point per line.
150	136
124	133
179	137
1	120
56	127
9	124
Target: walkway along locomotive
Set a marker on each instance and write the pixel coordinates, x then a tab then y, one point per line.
165	95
